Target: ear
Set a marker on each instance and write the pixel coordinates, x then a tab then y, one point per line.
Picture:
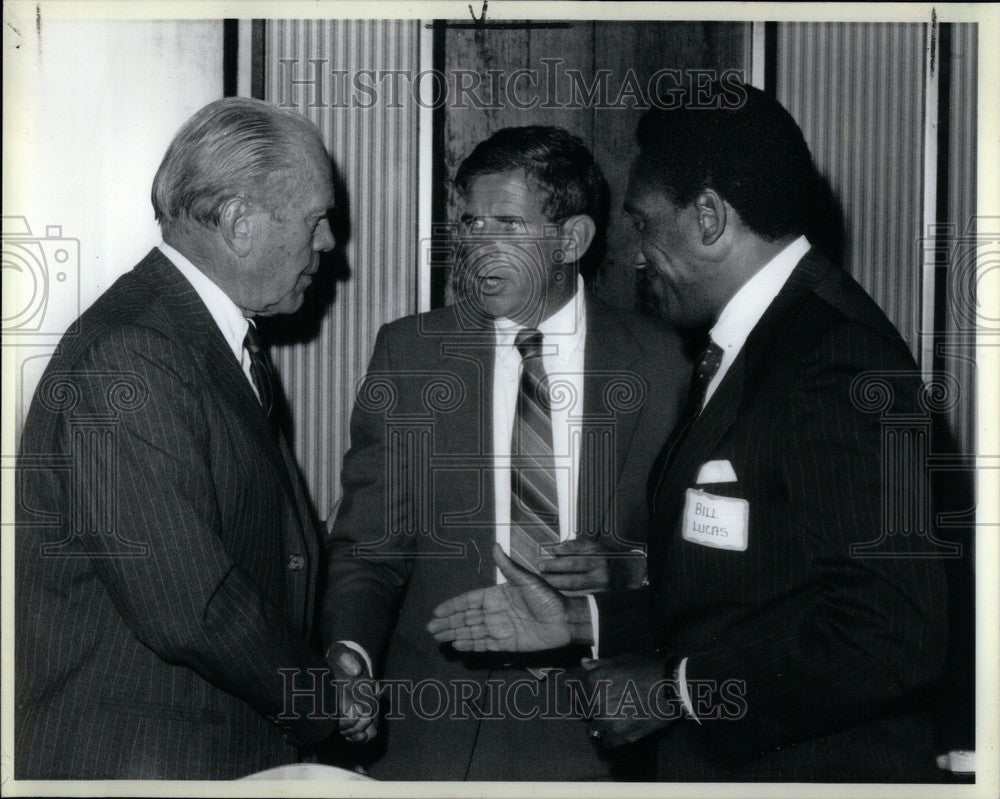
237	227
580	228
712	216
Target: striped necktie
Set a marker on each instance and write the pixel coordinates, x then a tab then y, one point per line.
261	370
534	506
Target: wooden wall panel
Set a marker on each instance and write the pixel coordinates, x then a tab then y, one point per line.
644	48
638	49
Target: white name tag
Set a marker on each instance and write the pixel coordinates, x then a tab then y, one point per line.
721	522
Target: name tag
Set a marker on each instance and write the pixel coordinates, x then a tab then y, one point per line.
721	522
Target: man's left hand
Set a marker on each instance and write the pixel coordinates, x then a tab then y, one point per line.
634	698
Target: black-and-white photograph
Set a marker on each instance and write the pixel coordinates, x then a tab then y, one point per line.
584	399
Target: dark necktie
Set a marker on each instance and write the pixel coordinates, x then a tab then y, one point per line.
707	365
261	370
534	506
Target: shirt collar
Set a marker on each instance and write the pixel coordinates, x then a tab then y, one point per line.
227	315
746	307
565	328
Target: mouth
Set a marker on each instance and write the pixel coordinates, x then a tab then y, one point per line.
491	281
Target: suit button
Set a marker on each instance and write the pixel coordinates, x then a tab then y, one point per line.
296	562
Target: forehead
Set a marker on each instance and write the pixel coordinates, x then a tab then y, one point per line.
644	195
504	194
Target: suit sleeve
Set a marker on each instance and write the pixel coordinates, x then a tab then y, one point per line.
869	630
185	597
369	560
624	622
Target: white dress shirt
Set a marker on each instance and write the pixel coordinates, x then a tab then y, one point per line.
563	336
746	307
227	315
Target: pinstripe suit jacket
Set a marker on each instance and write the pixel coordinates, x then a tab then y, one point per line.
806	657
416	524
166	560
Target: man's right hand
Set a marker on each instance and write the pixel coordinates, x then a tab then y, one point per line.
525	614
358	696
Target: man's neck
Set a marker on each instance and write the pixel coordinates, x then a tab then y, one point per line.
746	262
204	259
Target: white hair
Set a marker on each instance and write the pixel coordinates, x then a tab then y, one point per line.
232	147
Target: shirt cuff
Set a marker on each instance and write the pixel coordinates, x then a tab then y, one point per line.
592	604
682	686
361	651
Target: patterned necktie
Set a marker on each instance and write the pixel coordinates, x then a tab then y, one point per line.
261	370
534	506
708	364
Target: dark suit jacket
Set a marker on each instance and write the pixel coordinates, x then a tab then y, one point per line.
810	648
416	524
166	561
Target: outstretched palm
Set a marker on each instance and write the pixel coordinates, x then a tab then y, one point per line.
525	614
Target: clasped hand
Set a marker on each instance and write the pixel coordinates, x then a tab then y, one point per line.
358	705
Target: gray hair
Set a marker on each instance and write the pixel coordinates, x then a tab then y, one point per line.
231	147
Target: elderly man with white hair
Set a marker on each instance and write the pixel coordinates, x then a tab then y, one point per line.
166	556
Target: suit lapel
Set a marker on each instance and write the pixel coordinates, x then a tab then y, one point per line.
300	534
704	434
209	348
609	417
464	350
723	407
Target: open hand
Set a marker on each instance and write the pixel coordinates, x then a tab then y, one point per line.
525	614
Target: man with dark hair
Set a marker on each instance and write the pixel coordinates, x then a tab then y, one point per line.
166	556
525	415
568	177
783	635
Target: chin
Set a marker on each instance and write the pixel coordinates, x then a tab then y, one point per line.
492	306
287	305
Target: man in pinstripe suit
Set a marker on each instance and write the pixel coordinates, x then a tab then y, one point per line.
783	636
166	557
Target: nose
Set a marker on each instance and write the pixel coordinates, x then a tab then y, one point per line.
640	260
323	240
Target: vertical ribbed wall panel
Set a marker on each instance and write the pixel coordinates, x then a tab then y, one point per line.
961	307
375	150
856	90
